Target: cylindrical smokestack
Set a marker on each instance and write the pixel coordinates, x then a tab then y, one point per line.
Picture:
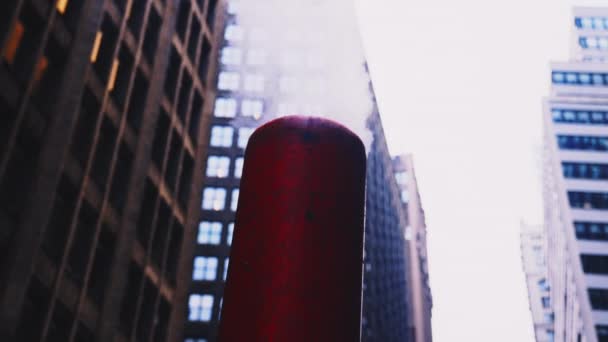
296	262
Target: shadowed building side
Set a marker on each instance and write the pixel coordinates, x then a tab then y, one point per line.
104	109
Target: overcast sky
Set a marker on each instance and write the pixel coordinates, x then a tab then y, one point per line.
459	85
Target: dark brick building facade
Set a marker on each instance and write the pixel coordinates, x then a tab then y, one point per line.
104	119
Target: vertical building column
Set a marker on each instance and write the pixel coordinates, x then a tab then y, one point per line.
108	322
26	242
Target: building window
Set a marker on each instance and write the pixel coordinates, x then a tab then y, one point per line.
214	199
221	136
401	177
579	116
234	201
591	23
546	302
258	35
405	197
585	170
593	43
254	83
543	285
224	108
252	108
205	268
218	166
231	56
233	8
230	233
595	264
226	262
209	233
602	333
579	78
229	81
195	340
238	167
588	200
234	33
591	231
585	143
598	299
288	84
256	57
200	307
244	134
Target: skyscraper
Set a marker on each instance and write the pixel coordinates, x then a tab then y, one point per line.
295	57
421	299
576	182
534	261
104	105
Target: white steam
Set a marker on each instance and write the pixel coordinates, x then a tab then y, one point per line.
312	48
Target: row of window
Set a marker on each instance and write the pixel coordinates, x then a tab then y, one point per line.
231	81
215	199
595	264
586	143
580	78
256	83
235	56
591	231
585	170
222	136
210	233
580	116
588	200
219	166
235	34
227	108
205	268
593	23
593	43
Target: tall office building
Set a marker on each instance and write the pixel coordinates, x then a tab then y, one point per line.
576	182
104	105
534	261
420	295
294	57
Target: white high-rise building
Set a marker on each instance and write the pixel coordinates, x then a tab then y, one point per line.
576	183
533	256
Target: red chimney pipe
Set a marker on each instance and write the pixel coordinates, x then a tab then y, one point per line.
296	262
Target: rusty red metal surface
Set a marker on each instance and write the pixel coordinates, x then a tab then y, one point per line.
296	262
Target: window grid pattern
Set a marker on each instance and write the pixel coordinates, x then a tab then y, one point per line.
585	170
200	307
113	108
209	233
583	143
218	166
214	199
589	117
205	268
591	23
576	78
